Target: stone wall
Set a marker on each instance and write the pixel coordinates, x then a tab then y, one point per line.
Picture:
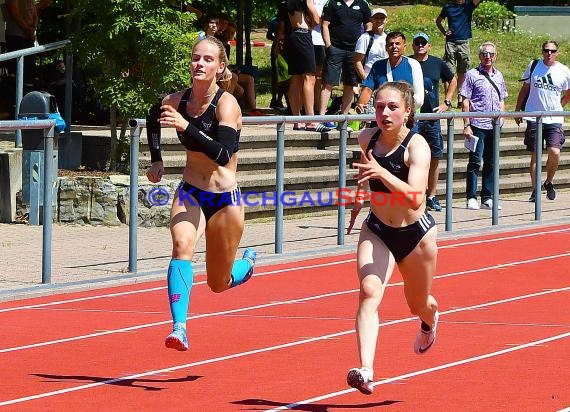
105	201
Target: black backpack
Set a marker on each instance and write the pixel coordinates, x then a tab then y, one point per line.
532	67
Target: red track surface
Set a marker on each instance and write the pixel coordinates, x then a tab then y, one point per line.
286	339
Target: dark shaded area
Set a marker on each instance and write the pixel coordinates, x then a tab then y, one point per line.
134	383
263	404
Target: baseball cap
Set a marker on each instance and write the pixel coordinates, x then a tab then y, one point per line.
379	10
422	35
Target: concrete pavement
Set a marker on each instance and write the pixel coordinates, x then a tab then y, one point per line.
86	257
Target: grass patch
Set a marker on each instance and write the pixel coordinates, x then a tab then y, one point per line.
515	49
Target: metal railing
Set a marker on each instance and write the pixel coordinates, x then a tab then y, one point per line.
138	124
19	56
49	175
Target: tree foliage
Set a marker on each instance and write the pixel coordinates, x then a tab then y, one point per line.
133	50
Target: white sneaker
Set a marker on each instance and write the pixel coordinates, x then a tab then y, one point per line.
425	339
488	204
361	379
472	204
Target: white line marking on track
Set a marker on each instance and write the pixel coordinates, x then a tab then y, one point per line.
303	342
110	295
428	370
500	239
267	305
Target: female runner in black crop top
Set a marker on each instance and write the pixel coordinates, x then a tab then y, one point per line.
395	163
208	121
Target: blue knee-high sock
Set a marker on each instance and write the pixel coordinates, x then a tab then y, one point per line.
180	277
241	271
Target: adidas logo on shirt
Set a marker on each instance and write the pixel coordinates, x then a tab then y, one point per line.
546	83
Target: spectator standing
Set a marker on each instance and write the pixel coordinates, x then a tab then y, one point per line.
395	67
457	54
371	45
277	91
320	55
434	69
300	56
21	24
483	90
546	87
342	23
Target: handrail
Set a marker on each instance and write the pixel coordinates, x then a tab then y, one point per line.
280	121
34	50
48	125
19	56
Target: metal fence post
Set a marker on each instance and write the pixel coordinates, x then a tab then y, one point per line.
496	171
19	95
538	168
449	176
280	184
341	181
47	211
133	197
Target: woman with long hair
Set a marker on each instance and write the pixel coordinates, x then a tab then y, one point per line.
207	202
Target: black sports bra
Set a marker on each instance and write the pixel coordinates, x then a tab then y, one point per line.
394	163
206	122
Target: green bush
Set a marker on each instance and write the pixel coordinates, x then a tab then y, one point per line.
491	15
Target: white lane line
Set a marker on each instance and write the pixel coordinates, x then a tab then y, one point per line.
271	304
428	370
111	295
288	345
504	238
114	295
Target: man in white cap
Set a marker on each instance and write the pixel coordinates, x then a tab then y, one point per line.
371	45
434	69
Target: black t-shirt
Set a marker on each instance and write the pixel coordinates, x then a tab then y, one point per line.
346	22
434	69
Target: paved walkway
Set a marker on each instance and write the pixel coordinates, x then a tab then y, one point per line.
86	257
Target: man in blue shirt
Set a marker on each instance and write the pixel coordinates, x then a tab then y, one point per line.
395	67
434	70
457	54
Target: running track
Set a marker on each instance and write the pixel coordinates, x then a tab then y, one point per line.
285	340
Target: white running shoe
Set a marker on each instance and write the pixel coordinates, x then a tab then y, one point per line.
425	339
361	379
472	204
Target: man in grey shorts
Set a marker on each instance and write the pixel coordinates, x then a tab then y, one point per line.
457	54
545	87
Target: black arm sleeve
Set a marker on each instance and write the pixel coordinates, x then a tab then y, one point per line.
153	132
219	150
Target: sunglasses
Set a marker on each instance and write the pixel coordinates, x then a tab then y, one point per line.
420	43
549	51
487	54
